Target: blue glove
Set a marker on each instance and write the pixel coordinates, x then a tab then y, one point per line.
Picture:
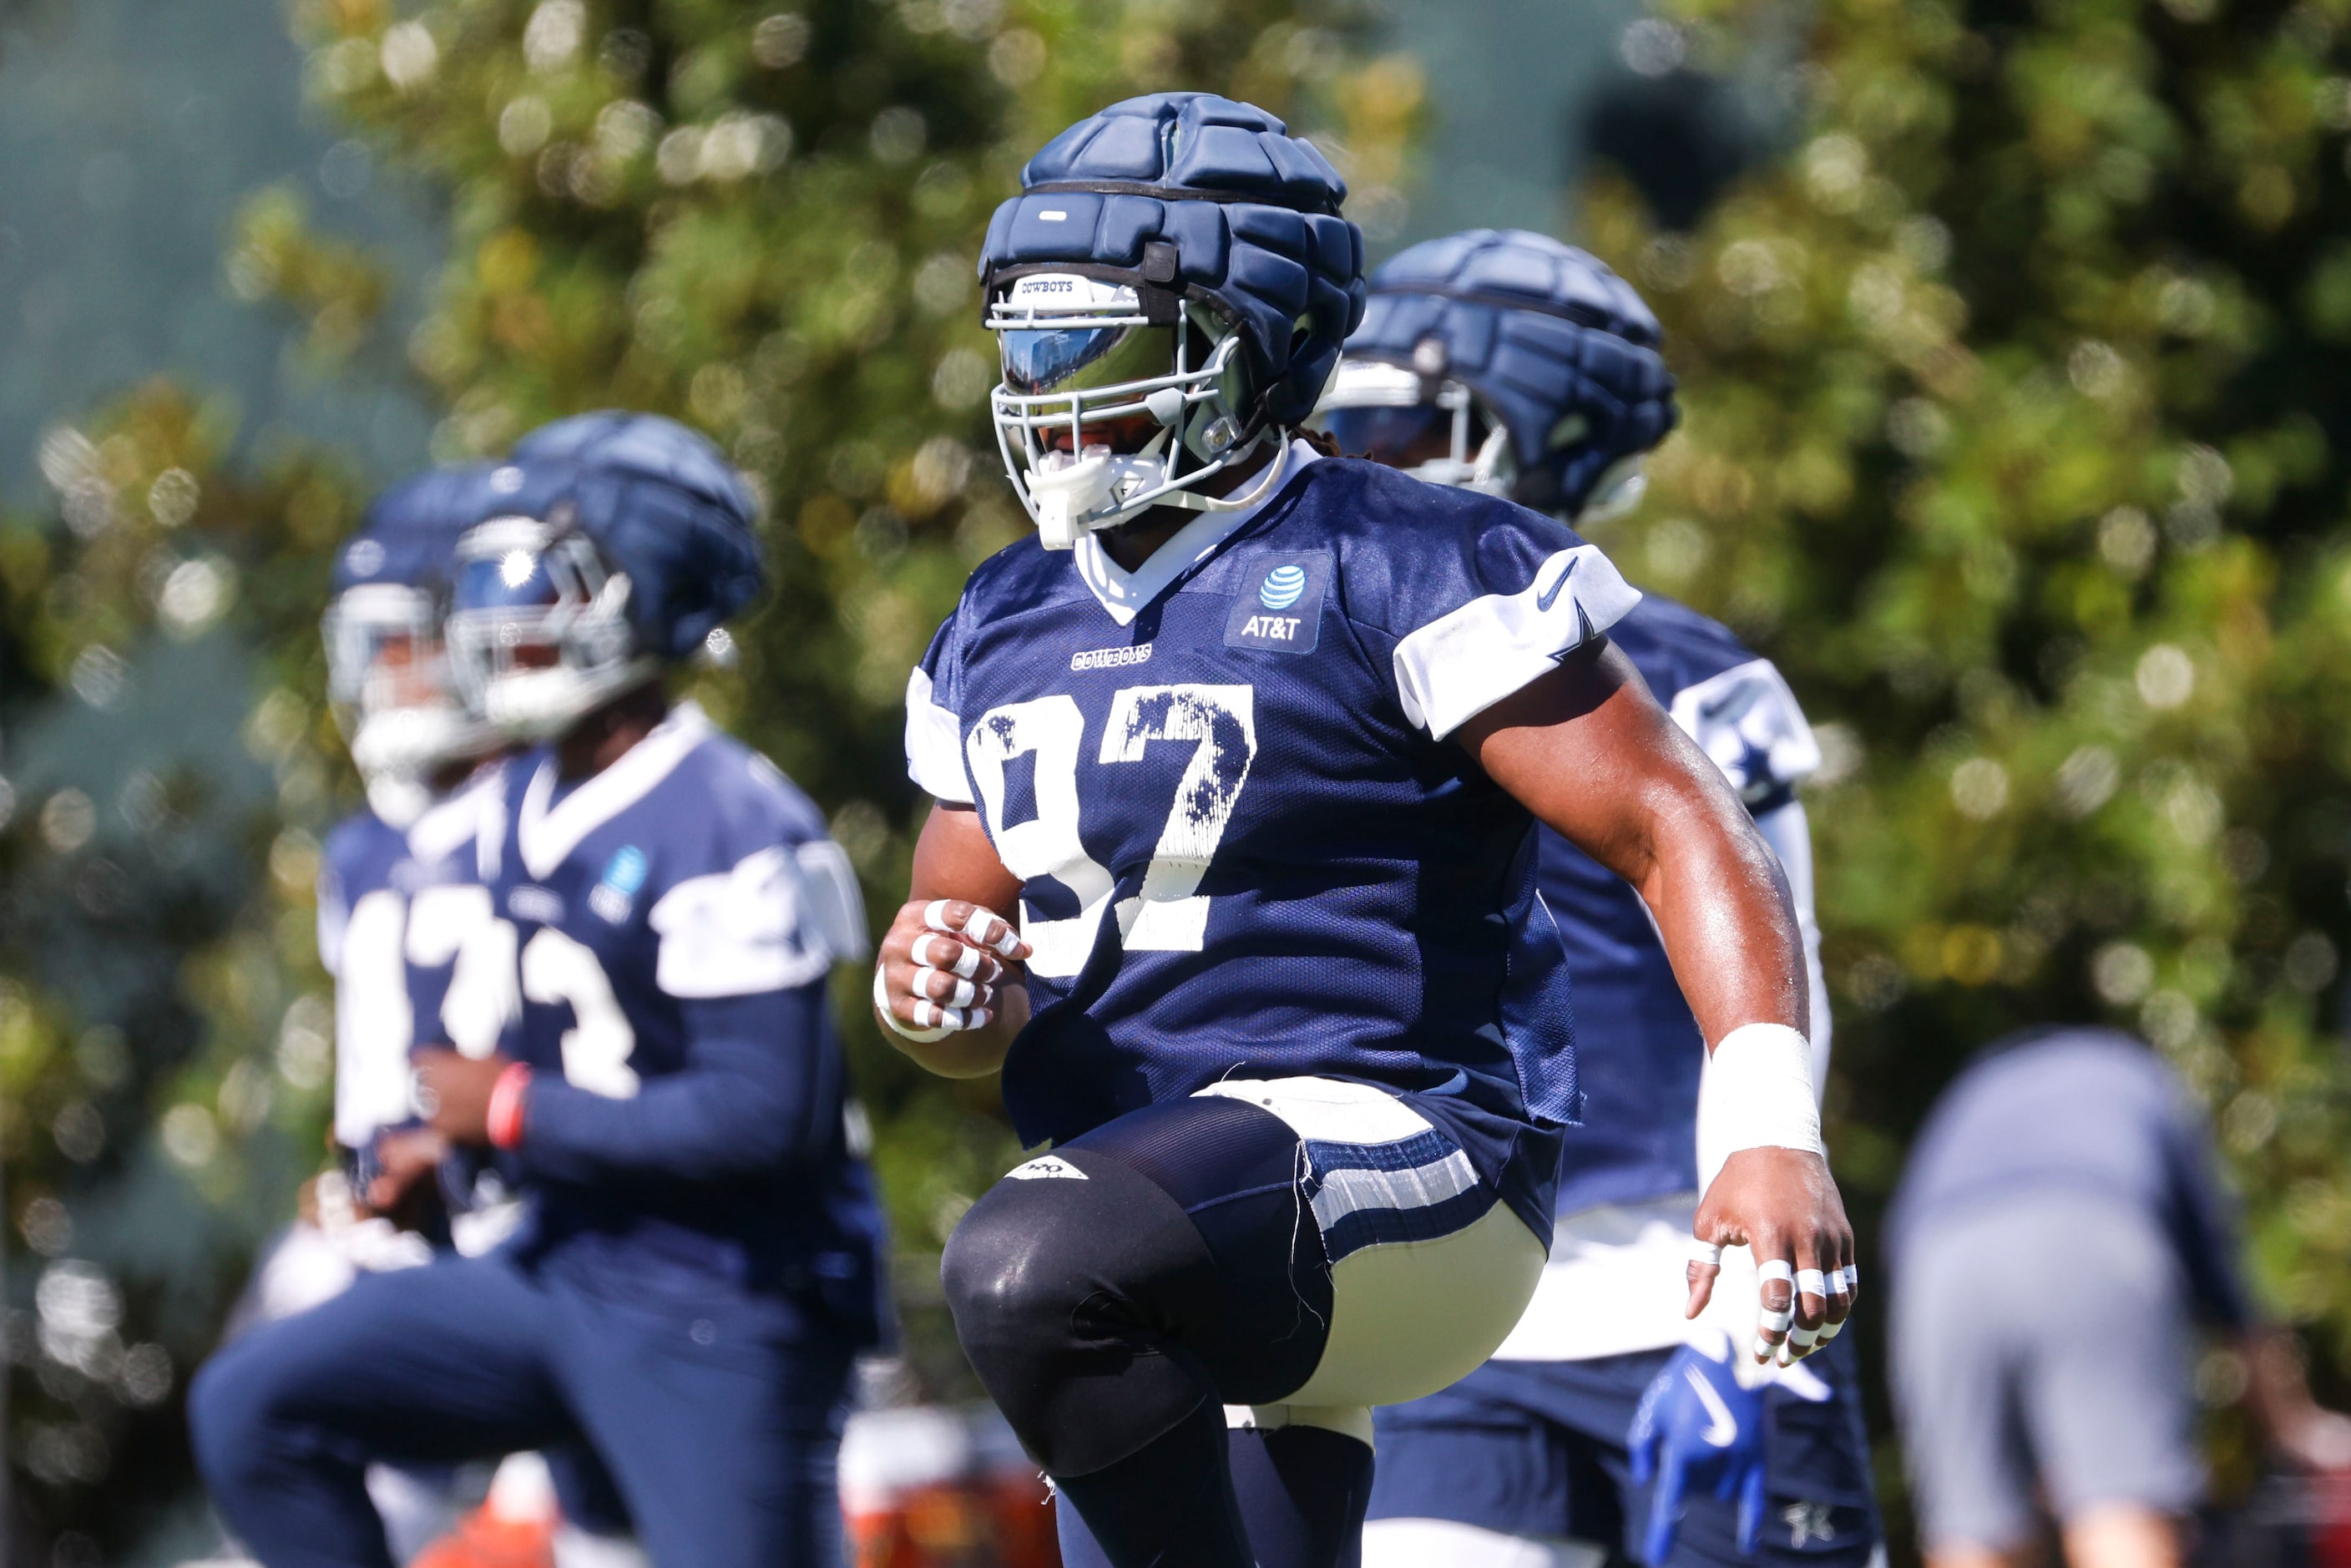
1697	1427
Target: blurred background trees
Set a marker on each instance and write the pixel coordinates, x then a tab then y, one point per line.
2010	340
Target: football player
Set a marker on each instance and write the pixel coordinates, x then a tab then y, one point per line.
2082	1161
412	741
641	1034
1231	872
1514	365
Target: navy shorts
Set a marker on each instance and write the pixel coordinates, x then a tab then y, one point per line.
1536	1449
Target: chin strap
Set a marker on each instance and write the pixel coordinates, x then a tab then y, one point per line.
1193	501
1067	497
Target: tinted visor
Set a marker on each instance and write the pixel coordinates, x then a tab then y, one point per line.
1080	358
1400	437
514	580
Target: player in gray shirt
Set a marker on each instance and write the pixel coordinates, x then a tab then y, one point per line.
2060	1231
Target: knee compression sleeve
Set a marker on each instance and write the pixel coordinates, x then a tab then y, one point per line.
1073	1295
1161	1259
1236	1171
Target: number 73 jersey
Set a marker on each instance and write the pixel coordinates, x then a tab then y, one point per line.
1248	845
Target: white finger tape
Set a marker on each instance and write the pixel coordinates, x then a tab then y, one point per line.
928	1014
1841	1280
961	995
1803	1338
1813	1283
1764	1349
968	961
977	927
1705	1253
1770	1321
1830	1332
881	1007
935	916
1775	1269
1851	1272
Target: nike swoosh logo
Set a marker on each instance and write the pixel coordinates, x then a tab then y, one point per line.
1545	601
1721	1430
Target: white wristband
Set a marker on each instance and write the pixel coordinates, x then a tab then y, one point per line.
1757	1094
882	1006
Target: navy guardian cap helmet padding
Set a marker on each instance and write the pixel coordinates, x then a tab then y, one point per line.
662	505
1187	195
388	677
406	537
1542	332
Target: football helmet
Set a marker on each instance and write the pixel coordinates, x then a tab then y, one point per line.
620	542
388	677
1508	362
1171	287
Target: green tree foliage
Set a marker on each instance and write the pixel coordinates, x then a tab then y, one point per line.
2015	434
762	218
163	1034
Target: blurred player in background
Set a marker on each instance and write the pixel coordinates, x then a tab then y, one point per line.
1252	743
1514	365
2059	1229
413	743
642	1035
389	685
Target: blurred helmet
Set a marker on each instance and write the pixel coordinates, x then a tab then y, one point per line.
1172	284
619	544
1508	363
387	676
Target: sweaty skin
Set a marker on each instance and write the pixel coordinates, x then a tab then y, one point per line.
1589	752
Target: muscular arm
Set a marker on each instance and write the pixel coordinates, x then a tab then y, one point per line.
1588	750
1592	755
955	861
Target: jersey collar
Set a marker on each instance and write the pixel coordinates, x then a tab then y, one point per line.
546	833
1124	594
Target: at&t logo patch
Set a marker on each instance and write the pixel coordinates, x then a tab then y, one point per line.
1280	606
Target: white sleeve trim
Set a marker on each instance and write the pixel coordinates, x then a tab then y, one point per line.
1788	832
934	744
1461	663
1748	713
836	905
737	933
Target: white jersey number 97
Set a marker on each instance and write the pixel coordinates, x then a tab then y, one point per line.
1167	914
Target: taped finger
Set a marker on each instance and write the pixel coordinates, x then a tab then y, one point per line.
932	951
981	921
1774	1322
954	992
935	916
1705	1254
1813	1283
928	1014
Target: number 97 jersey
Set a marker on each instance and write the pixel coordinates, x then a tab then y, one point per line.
1248	844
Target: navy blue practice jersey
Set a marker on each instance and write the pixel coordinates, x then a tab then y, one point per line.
1640	1053
1248	844
654	943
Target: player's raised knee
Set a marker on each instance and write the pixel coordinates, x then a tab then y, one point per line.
1003	1268
232	1404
